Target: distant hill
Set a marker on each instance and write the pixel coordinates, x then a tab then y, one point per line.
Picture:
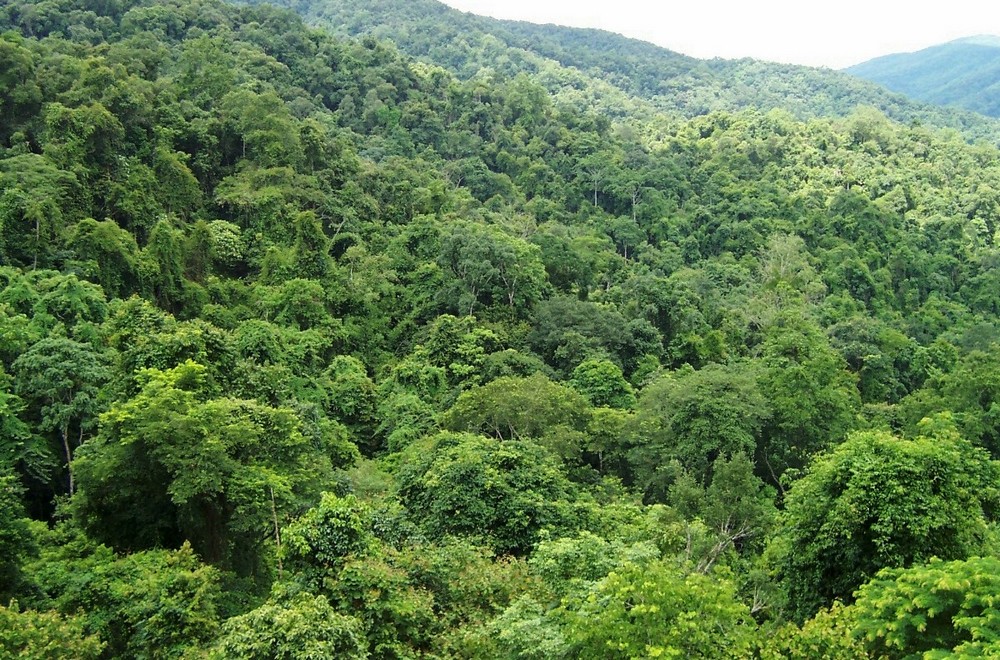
963	73
613	73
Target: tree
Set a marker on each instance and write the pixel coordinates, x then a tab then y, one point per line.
938	609
502	493
404	419
595	169
877	501
603	384
572	258
264	201
970	391
827	636
513	408
20	449
626	235
161	267
152	604
695	417
292	628
15	537
397	616
312	247
327	535
350	397
76	304
84	139
109	255
486	267
37	200
45	636
736	508
18	85
461	346
882	357
651	610
266	131
62	379
171	464
567	331
813	398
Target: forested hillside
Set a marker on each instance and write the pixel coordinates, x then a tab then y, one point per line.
613	74
309	349
963	73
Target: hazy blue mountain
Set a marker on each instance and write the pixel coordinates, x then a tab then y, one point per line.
963	73
613	73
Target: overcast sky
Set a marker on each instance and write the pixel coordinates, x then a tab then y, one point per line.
833	34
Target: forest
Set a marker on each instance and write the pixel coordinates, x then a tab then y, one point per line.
625	77
313	349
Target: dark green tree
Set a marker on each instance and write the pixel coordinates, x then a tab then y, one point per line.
503	493
173	464
877	501
696	418
60	379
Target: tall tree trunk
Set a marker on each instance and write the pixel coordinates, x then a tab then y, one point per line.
277	533
64	432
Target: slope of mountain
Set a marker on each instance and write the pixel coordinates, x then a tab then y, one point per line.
309	349
963	73
572	60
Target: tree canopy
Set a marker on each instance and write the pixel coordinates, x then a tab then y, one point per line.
426	336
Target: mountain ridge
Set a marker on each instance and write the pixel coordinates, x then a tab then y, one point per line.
963	73
664	80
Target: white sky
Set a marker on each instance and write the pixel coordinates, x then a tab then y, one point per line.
833	34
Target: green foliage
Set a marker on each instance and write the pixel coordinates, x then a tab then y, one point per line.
19	450
970	391
460	346
351	396
934	610
570	564
292	628
175	463
488	268
521	408
651	610
826	636
877	501
616	73
36	195
405	418
504	493
524	631
15	538
397	616
602	382
696	417
154	604
61	378
108	254
813	398
566	330
328	534
420	599
45	636
737	509
236	250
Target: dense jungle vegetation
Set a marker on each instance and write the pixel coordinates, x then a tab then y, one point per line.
309	349
624	77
